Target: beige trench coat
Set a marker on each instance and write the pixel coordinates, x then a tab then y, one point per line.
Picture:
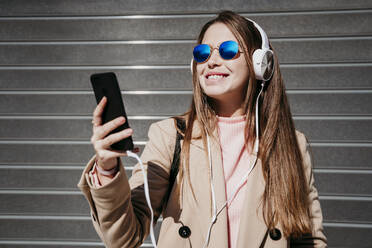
121	216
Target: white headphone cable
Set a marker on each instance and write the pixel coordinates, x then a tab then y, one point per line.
228	202
147	195
214	217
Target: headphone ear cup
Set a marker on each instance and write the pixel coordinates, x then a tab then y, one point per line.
263	64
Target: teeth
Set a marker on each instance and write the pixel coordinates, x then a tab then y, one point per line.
215	76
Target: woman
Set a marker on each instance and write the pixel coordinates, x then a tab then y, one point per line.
244	181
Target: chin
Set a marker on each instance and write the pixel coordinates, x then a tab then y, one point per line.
214	89
217	94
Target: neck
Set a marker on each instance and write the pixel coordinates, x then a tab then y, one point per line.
228	108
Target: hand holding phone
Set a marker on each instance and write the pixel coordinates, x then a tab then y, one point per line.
105	84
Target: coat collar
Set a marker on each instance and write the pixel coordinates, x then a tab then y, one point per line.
252	228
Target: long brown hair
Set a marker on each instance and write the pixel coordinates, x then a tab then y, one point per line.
285	197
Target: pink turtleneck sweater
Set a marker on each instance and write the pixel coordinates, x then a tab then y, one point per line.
235	159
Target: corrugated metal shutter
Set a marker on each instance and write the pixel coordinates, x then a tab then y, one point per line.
48	49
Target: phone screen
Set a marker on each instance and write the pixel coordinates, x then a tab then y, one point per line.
106	84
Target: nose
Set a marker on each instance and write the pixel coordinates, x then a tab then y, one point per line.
214	59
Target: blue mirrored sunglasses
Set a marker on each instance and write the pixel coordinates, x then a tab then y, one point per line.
227	49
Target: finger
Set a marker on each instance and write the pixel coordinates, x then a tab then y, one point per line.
97	113
102	131
135	150
115	137
105	155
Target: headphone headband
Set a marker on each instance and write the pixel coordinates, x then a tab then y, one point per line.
264	38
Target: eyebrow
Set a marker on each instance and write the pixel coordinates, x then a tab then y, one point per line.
218	44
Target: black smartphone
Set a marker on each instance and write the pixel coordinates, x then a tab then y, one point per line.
106	84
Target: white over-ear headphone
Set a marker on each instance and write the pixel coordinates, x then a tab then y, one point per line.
263	59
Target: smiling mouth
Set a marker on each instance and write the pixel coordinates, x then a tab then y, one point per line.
216	76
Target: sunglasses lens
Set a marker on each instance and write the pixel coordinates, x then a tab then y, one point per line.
229	49
201	52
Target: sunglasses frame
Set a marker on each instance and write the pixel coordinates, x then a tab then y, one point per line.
211	49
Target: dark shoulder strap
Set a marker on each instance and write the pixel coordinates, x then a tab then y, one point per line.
176	155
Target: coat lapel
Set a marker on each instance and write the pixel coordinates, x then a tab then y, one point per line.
219	231
252	227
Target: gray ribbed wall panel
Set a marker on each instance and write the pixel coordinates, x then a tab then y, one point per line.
32	103
106	28
80	129
326	155
296	50
48	50
72	204
110	7
322	76
328	182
